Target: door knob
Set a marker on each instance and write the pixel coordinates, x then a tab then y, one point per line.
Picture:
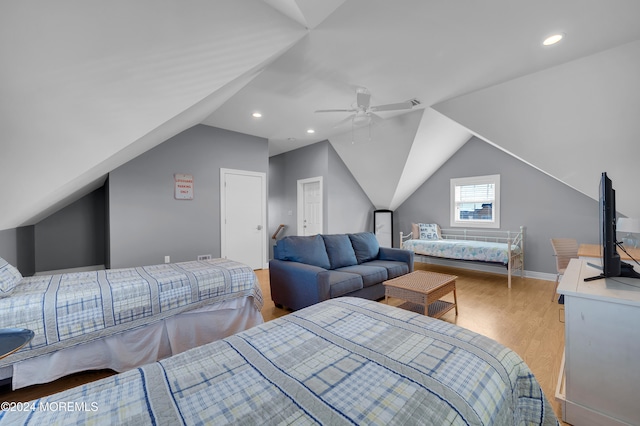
259	228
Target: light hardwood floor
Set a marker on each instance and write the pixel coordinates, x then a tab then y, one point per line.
522	318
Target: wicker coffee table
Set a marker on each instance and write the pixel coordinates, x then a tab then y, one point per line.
422	291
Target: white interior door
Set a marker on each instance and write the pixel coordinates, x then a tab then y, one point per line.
243	217
310	206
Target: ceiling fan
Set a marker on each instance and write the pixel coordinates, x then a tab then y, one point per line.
365	113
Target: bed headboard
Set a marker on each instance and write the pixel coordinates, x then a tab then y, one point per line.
513	237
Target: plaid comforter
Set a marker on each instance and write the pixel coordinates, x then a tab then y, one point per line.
70	309
343	361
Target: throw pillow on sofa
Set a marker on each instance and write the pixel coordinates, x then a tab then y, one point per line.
310	250
366	246
340	251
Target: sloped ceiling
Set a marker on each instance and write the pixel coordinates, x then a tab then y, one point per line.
572	121
83	82
87	85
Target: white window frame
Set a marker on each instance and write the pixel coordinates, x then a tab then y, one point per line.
475	180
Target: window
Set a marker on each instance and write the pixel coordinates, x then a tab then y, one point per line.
475	201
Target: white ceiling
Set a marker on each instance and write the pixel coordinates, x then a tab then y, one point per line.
86	85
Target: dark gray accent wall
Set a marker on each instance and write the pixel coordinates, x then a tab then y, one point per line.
73	236
25	248
17	247
107	228
346	207
546	207
9	247
147	223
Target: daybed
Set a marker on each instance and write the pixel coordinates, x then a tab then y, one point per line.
489	246
123	318
308	270
340	362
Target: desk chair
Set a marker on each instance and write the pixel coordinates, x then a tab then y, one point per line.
564	249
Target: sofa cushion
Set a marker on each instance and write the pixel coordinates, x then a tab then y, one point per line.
394	268
310	250
9	278
371	275
342	283
366	246
340	251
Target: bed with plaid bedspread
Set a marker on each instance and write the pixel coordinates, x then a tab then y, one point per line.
342	361
75	308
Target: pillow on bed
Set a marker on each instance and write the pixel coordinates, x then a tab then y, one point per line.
9	278
429	231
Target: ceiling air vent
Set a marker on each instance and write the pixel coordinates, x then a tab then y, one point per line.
414	102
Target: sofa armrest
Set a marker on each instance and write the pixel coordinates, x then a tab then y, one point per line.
297	285
399	255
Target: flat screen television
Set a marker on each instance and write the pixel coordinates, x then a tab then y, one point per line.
612	266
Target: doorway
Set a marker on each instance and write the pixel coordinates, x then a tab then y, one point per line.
243	204
310	206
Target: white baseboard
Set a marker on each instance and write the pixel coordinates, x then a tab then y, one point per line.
66	271
483	267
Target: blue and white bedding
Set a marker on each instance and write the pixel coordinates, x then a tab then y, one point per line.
483	251
72	309
343	361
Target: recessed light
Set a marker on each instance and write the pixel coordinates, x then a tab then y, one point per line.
256	115
553	39
310	131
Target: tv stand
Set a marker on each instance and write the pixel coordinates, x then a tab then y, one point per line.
599	382
626	271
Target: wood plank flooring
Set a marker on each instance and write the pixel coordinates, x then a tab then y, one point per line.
523	318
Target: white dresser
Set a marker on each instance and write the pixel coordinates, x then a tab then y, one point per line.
602	348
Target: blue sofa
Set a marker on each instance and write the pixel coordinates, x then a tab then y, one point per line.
308	270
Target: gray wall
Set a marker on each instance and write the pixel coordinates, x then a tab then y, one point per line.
346	206
284	172
349	208
147	223
73	236
17	248
546	207
9	246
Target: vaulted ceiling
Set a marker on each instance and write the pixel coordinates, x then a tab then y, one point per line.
87	85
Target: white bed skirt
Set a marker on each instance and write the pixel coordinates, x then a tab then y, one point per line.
144	344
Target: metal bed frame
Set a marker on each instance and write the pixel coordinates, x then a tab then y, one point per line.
510	238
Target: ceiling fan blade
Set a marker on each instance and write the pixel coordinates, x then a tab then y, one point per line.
335	110
375	118
346	120
393	107
363	99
